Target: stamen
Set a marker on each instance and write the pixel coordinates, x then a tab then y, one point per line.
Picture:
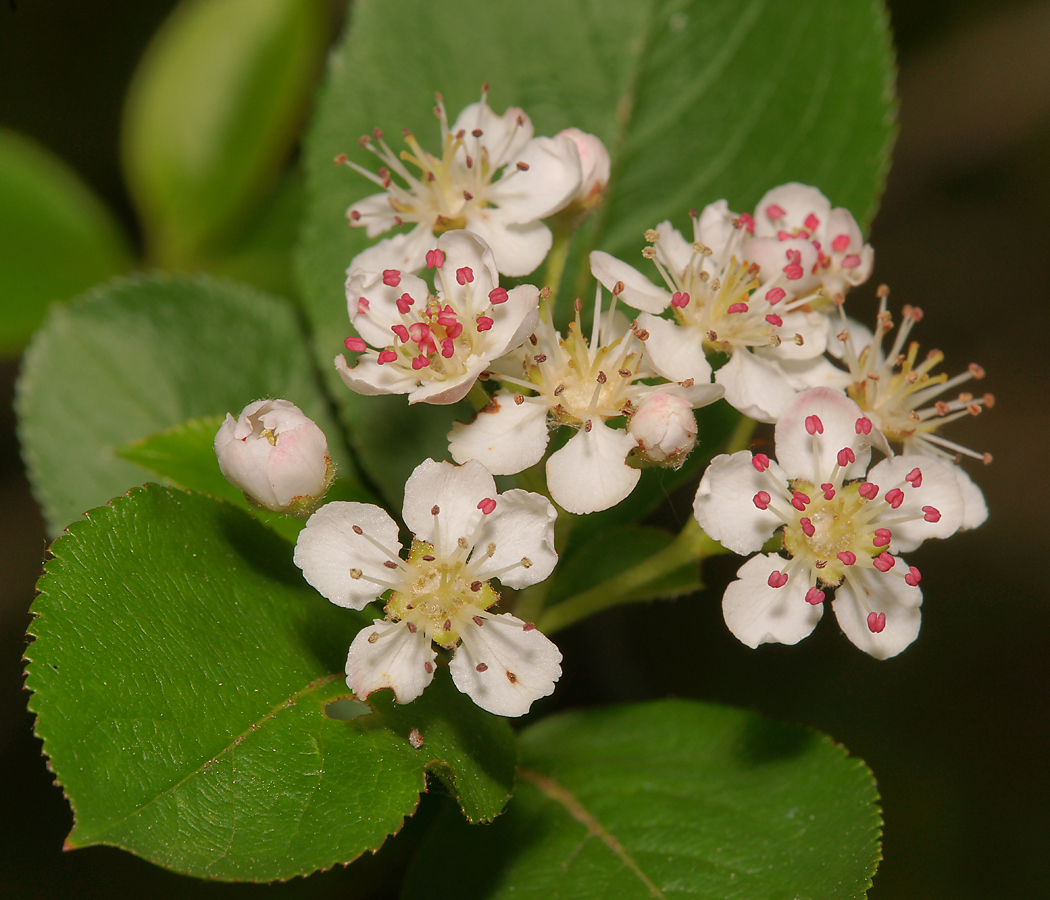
882	538
894	497
914	478
762	500
391	277
487	505
884	562
355	345
777	579
876	622
847	557
814	425
913	577
868	490
814	596
931	514
760	461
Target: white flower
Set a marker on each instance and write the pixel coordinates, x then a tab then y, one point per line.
718	306
276	455
434	347
840	528
463	188
465	534
582	384
794	225
665	428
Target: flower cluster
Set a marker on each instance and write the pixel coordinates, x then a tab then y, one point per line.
749	307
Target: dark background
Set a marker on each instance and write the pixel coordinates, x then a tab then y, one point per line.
956	729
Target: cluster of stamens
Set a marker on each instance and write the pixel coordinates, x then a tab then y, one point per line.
437	589
434	339
899	391
445	188
721	297
832	527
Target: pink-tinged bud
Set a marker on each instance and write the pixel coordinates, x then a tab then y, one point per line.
665	428
276	456
594	168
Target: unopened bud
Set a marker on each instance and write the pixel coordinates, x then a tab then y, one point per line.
665	428
276	456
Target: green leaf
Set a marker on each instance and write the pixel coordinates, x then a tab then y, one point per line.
181	668
696	100
667	799
212	115
56	237
185	456
138	356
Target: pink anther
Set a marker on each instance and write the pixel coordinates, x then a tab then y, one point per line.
737	308
487	505
807	526
448	348
851	261
841	243
775	296
403	303
775	212
447	316
800	501
846	456
454	330
760	461
419	332
465	275
847	557
883	562
680	299
777	579
435	259
484	323
863	425
785	235
914	478
931	514
774	320
761	500
895	497
868	490
497	296
387	356
362	305
829	491
812	223
814	596
814	425
748	222
418	362
876	622
913	577
882	538
401	332
391	277
355	345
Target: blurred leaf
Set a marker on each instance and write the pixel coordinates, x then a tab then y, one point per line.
181	668
212	115
665	799
185	456
137	356
696	100
56	237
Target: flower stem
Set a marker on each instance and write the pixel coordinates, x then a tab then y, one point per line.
741	436
478	397
631	586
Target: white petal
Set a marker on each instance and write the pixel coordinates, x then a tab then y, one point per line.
758	614
407	252
772	256
502	135
519	249
975	509
881	593
940	489
798	201
464	249
375	213
813	327
639	292
328	549
442	392
860	336
725	506
505	436
399	660
814	457
697	394
519	666
369	378
521	527
715	226
803	374
676	352
673	250
549	183
590	472
513	320
456	491
755	386
374	322
841	221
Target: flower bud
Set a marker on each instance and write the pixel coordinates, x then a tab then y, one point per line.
665	429
275	455
594	168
